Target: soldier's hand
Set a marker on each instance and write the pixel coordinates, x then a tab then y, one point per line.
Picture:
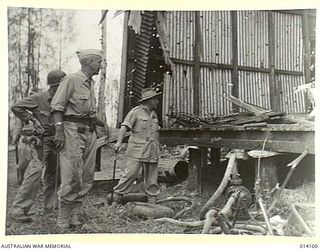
59	137
37	126
117	147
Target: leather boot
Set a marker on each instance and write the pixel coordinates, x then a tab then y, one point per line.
63	222
19	215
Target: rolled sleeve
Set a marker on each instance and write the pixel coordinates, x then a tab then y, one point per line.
23	107
61	97
129	120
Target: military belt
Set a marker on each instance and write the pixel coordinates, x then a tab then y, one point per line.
91	122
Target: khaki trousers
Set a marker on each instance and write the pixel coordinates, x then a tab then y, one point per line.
77	163
41	158
131	172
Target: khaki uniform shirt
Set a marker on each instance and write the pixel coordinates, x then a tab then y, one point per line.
144	141
75	96
38	106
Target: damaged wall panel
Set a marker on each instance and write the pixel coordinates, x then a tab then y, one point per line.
179	90
181	34
216	37
291	102
254	88
253	39
214	84
288	42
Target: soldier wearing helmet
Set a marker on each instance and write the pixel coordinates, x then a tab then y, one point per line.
35	109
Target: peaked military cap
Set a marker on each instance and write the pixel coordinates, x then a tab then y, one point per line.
88	53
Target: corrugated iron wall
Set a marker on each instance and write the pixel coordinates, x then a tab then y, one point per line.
181	34
253	50
216	60
289	56
214	84
253	39
288	42
179	89
254	88
290	101
216	36
142	54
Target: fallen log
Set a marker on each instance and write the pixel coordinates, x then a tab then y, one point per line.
182	223
147	210
177	215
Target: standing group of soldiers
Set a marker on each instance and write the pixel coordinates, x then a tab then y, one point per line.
58	144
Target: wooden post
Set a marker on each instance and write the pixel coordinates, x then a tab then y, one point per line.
274	87
123	73
196	68
234	76
194	174
307	53
201	179
215	157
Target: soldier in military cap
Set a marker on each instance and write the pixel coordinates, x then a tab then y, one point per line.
74	114
143	148
35	109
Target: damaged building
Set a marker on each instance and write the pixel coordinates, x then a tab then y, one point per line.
238	81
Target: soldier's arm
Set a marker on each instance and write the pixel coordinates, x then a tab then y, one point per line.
127	125
61	97
23	108
121	134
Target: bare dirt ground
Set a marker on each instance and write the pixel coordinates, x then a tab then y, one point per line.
99	217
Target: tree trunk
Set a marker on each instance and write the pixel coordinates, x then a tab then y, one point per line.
28	71
39	50
19	64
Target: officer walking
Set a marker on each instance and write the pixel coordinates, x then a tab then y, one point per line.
74	114
36	108
143	148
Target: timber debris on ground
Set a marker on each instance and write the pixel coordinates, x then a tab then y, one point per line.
251	116
100	217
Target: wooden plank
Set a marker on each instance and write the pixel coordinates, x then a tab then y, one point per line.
249	144
230	67
107	175
258	118
252	108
